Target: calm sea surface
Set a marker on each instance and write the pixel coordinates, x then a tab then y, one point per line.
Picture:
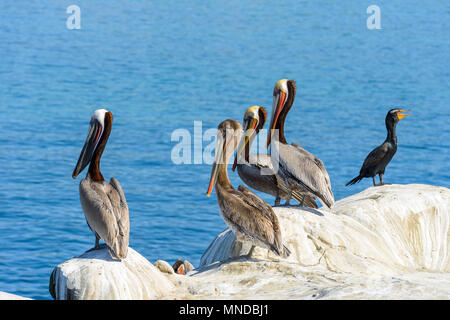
159	67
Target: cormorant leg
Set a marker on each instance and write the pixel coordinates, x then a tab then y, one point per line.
277	201
381	179
373	178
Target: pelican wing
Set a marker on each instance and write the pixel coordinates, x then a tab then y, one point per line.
261	160
120	209
256	202
96	200
306	170
278	179
254	218
264	162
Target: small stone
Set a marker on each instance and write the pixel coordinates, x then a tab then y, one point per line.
188	266
96	276
164	266
9	296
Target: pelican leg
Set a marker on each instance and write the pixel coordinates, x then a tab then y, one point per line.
303	201
286	203
381	179
249	254
97	245
277	201
374	183
97	240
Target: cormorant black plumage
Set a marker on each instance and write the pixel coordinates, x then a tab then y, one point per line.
377	160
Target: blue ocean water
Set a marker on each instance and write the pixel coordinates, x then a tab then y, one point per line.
161	66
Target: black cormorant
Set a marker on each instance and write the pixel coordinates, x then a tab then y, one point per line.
378	159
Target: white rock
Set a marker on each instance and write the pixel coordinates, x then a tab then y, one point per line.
164	266
9	296
382	230
188	267
95	276
389	242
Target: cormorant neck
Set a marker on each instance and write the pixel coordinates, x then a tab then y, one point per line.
94	167
391	132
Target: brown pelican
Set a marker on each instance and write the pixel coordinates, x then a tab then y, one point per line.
104	204
303	170
249	217
379	158
256	170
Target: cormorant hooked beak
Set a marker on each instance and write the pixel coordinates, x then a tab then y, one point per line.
400	115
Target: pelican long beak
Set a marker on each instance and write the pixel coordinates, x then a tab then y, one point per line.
250	128
217	160
277	106
93	136
401	116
